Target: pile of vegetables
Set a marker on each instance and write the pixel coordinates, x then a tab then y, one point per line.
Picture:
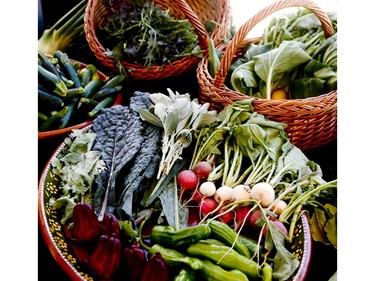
226	208
293	60
142	32
70	93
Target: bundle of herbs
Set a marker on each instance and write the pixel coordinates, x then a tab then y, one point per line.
293	57
142	32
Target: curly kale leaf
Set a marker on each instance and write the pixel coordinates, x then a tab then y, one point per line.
119	132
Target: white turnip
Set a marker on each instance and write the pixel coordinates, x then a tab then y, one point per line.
207	189
240	196
264	193
279	206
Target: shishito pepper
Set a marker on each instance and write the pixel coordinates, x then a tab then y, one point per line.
228	235
185	274
173	257
167	235
267	272
225	257
213	272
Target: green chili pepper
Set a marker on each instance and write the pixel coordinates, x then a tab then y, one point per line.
167	235
250	244
213	272
228	235
173	257
185	274
267	272
225	257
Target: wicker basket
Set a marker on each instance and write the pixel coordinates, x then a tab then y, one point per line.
197	12
311	122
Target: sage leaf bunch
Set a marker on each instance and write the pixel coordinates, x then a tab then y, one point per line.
179	116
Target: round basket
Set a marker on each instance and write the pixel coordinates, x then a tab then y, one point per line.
197	12
311	122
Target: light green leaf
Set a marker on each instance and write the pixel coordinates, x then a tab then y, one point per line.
149	117
171	122
244	78
272	66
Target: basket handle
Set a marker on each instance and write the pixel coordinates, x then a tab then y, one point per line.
242	32
200	30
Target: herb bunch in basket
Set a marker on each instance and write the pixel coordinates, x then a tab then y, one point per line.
144	33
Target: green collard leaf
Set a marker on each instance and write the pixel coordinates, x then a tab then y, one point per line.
244	78
168	201
272	66
285	263
317	222
149	117
307	87
331	226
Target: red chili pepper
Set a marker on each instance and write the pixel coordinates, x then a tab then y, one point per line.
106	258
156	269
135	259
86	226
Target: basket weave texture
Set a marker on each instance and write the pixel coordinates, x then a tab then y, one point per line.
311	122
198	12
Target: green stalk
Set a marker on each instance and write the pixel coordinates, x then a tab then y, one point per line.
303	198
65	31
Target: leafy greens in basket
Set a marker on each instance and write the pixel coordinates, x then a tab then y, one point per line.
293	55
144	33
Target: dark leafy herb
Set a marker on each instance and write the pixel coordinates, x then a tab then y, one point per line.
120	137
142	32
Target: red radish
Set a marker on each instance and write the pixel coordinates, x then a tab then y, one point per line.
243	215
222	196
202	169
196	196
187	180
207	206
279	225
239	195
256	220
224	216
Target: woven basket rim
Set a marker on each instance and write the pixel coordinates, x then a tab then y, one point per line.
311	122
172	68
